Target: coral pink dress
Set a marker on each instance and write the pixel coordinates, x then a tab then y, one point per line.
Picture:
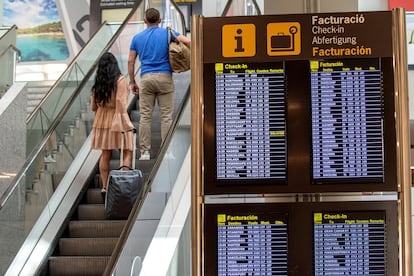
111	119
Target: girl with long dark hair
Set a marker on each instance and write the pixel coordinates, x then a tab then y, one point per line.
109	99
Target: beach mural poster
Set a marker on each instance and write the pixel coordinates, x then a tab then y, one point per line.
40	35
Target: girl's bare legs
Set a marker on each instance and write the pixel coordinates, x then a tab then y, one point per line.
127	158
104	167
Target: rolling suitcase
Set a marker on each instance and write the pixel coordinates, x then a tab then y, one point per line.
123	187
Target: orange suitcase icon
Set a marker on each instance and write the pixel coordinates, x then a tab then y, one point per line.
283	38
284	42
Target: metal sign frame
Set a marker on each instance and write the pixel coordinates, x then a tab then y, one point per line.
402	143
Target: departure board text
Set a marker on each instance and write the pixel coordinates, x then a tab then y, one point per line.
250	121
252	244
349	243
347	120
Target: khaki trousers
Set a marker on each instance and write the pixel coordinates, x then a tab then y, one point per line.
155	87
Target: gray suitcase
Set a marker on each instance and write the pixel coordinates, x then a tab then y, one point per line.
123	187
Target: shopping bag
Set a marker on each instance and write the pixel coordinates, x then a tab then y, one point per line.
179	54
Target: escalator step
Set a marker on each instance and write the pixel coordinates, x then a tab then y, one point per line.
87	246
96	229
91	212
82	266
93	196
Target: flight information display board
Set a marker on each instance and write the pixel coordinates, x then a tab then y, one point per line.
353	238
250	121
350	243
252	244
347	119
299	126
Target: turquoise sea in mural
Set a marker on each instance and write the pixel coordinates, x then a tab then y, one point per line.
42	47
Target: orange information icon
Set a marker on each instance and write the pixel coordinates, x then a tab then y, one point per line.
238	40
283	39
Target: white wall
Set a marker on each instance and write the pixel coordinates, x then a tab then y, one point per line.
337	6
302	6
285	7
372	5
411	93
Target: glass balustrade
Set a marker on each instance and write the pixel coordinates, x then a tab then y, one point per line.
40	120
9	56
241	8
56	131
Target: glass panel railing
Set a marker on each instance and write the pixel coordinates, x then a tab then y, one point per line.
57	130
36	184
40	120
174	18
8	59
241	8
181	263
163	179
9	55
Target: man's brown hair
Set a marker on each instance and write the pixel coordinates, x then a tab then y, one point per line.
152	15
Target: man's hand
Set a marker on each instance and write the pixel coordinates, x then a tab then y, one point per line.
134	88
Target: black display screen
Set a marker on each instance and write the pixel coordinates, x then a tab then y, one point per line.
252	244
250	121
349	243
347	120
346	238
299	126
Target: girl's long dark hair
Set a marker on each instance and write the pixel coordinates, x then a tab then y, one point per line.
107	75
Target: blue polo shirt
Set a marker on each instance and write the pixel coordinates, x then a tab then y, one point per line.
151	45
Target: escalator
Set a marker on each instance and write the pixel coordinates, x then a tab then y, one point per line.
50	188
82	242
87	242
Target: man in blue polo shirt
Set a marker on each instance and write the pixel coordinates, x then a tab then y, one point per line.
156	84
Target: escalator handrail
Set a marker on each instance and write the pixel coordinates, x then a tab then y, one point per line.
37	149
146	188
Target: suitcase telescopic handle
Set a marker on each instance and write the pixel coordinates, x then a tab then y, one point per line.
134	149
